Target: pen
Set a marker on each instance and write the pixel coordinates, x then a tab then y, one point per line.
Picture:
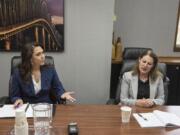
26	107
17	106
141	116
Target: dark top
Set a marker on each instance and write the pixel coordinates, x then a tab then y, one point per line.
143	89
25	90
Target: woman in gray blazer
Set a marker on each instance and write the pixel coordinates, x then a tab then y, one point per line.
143	86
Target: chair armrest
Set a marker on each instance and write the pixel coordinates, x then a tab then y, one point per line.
112	101
5	100
55	99
166	91
167	80
61	101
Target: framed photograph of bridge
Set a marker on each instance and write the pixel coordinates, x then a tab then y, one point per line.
177	34
38	21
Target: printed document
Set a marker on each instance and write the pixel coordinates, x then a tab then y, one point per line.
9	110
157	119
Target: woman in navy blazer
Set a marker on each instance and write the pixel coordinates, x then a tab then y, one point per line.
143	86
32	81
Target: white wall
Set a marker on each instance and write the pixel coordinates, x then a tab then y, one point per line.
147	23
84	66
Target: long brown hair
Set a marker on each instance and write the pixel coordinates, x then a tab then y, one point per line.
25	67
154	72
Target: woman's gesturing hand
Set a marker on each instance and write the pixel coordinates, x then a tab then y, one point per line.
68	96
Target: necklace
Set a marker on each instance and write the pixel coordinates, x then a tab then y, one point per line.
36	76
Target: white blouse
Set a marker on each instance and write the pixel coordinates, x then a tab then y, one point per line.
37	85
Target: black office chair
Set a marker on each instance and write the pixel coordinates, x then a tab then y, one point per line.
130	56
15	61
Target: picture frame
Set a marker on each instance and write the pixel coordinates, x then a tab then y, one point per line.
177	33
38	21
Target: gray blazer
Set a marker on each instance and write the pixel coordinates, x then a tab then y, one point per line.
129	89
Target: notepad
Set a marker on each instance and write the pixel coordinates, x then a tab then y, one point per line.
8	111
157	119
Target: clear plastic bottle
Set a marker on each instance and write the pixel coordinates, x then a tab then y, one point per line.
21	124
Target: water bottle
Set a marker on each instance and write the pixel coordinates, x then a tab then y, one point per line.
21	124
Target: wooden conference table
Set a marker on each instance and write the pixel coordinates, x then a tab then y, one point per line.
98	120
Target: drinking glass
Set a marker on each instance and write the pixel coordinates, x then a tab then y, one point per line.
42	113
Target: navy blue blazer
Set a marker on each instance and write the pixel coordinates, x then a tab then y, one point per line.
25	90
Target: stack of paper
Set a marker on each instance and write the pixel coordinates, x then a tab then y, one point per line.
9	111
157	119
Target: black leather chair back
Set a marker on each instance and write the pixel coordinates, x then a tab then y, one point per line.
133	53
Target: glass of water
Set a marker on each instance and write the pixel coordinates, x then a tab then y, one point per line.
42	113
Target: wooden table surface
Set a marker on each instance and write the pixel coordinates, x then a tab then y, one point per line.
99	120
